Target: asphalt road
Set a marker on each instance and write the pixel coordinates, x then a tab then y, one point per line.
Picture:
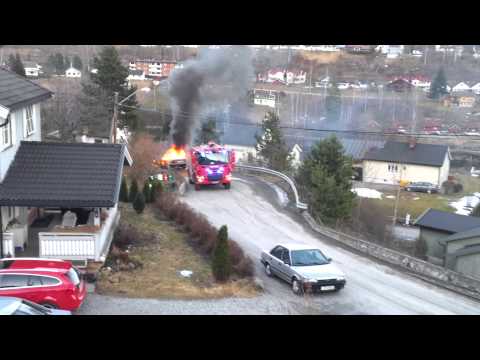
257	223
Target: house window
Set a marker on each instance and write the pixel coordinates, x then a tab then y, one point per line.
7	133
393	168
29	125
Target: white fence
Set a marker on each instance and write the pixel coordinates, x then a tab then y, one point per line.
8	244
290	182
67	246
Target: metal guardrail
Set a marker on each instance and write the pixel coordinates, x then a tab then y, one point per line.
299	204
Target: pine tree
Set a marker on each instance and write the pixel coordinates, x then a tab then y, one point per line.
333	103
139	203
271	146
438	88
60	66
221	262
147	191
110	78
124	190
133	190
324	179
15	65
156	189
11	62
77	63
208	132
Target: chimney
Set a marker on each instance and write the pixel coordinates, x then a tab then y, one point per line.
412	142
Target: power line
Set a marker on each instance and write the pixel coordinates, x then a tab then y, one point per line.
356	132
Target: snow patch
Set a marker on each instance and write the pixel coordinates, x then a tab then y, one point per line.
465	205
368	193
416	198
186	273
390	196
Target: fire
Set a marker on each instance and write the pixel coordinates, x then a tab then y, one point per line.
175	154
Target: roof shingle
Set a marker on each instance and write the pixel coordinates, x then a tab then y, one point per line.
421	154
449	222
16	91
68	175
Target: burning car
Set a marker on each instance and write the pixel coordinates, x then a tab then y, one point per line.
174	157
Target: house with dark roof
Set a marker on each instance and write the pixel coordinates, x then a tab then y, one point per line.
400	162
452	240
57	200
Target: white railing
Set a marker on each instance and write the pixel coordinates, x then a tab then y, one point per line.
300	205
67	246
106	234
8	244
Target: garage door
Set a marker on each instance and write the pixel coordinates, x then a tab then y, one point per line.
469	265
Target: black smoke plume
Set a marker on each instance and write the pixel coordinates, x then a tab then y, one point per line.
215	78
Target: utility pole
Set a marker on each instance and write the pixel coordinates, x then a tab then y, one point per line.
115	117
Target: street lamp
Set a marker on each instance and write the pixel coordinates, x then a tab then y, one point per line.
116	104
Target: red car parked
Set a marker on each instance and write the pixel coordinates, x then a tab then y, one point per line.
48	282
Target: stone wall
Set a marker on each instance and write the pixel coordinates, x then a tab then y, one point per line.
452	280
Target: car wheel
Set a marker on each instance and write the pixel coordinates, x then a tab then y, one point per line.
268	270
297	287
50	306
197	187
227	186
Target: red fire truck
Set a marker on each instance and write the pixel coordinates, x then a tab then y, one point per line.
210	164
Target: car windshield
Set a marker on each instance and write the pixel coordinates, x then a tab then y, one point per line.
212	158
26	309
308	258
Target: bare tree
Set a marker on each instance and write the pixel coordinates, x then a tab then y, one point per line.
61	113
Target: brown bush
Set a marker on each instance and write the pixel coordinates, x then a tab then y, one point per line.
202	233
244	268
236	252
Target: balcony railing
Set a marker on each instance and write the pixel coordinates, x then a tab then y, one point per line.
8	244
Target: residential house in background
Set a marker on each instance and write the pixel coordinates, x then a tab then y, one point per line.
476	88
359	49
452	240
265	97
398	162
284	76
241	139
152	68
71	72
32	69
391	51
461	87
460	99
138	75
400	85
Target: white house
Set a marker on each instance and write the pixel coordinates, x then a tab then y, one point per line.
392	51
19	121
288	77
398	162
40	181
32	69
462	86
71	72
476	88
265	97
136	75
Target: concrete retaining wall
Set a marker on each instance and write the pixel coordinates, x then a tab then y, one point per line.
437	274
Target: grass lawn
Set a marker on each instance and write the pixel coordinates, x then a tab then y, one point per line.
416	203
163	258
